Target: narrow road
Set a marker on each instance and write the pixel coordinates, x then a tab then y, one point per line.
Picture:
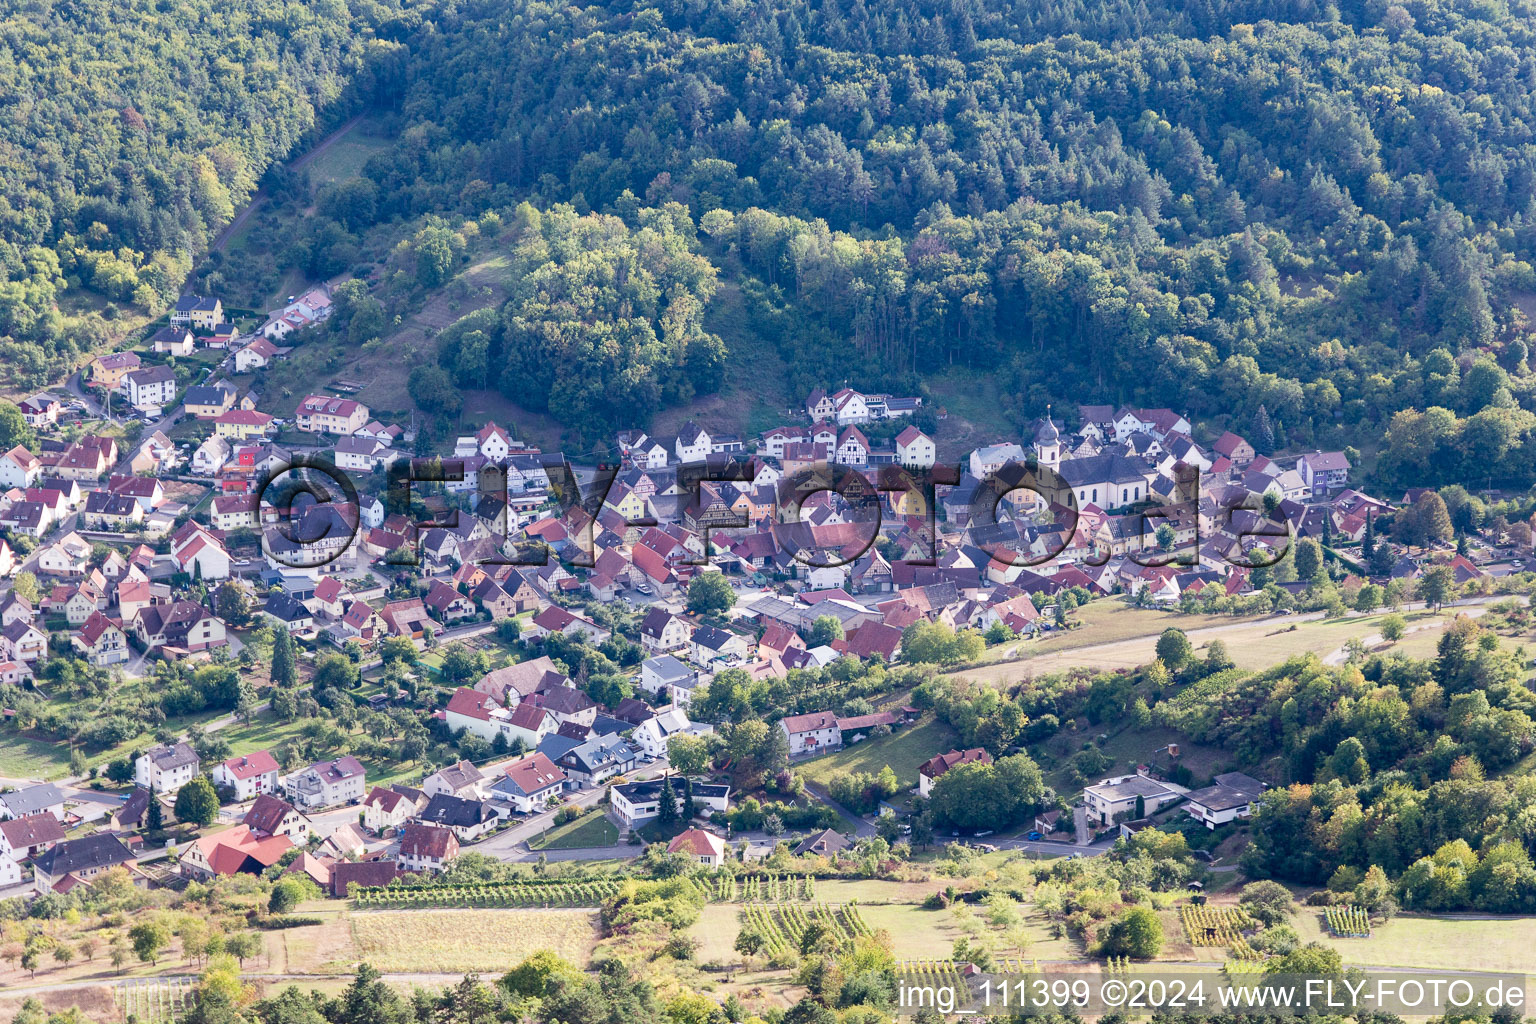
861	828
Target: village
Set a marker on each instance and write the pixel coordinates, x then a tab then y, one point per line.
796	550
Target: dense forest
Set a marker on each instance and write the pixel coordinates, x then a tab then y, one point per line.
1311	222
131	131
1324	211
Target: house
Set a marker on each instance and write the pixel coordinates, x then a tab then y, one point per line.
108	371
852	448
22	641
40	410
825	843
1324	472
711	645
705	847
130	813
1234	449
652	734
242	424
273	816
494	600
427	848
598	759
19	468
555	619
28	518
663	674
235	512
493	442
39	799
202	312
529	783
915	449
101	641
210	456
29	836
635	803
384	809
446	603
1128	796
248	774
84	859
180	625
319	414
110	512
661	631
693	443
407	618
811	734
359	453
480	714
172	341
166	768
1229	797
236	850
930	770
461	780
327	783
149	388
259	354
288	614
469	819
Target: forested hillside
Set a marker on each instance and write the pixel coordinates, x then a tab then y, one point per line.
1325	211
131	131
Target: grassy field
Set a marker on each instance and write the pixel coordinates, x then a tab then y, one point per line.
1120	637
346	156
903	750
582	834
432	941
1501	944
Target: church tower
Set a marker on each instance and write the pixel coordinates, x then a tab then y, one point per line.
1047	444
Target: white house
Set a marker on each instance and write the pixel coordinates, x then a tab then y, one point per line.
1128	796
248	774
929	771
1229	797
659	674
635	803
149	388
652	734
705	847
812	733
915	449
427	848
529	783
461	780
327	783
693	443
166	768
386	809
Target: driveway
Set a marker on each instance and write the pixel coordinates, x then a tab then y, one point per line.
862	829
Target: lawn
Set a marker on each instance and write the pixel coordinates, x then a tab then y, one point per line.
904	750
1497	944
345	157
453	941
584	833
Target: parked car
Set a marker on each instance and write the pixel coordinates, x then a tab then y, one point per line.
1034	837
